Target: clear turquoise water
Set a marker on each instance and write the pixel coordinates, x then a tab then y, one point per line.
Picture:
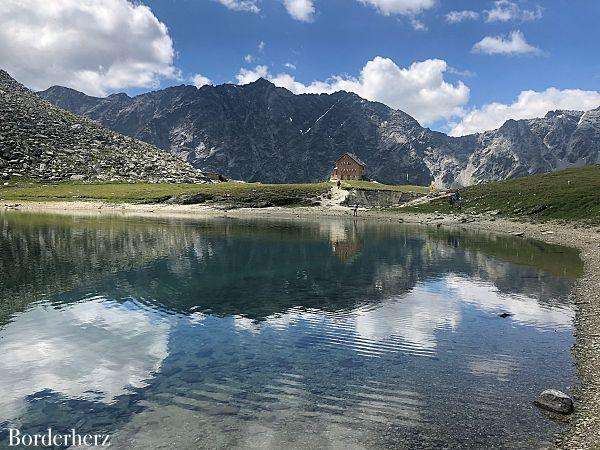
280	334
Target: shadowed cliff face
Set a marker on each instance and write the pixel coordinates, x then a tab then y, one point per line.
259	132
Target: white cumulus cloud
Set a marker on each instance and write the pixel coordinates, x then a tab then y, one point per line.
513	44
418	25
302	10
241	5
529	105
95	46
505	11
461	16
199	80
246	76
420	90
403	7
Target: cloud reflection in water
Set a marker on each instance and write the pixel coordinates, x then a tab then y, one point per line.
94	349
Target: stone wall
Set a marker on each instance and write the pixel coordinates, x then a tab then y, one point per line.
378	199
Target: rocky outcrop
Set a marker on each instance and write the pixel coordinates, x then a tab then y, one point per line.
560	140
555	401
378	198
41	141
259	132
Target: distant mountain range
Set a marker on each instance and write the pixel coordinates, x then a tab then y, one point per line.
260	132
41	141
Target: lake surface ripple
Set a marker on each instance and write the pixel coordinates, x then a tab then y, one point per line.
280	334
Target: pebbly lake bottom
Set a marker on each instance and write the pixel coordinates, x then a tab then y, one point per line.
280	334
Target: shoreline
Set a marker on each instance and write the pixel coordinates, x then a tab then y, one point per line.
583	431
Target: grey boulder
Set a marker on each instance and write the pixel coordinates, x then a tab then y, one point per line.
555	401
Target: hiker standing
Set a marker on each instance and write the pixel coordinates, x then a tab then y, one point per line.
355	210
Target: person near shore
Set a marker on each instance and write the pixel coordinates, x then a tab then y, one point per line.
355	209
339	184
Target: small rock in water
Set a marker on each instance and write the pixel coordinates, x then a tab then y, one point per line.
555	401
505	314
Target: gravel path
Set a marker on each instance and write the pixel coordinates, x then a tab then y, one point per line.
584	429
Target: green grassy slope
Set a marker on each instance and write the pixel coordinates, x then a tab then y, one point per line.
568	195
249	194
371	186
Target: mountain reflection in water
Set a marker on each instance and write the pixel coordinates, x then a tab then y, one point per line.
279	333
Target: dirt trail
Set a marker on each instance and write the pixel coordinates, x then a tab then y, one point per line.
335	198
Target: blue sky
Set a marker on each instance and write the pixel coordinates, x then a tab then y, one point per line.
506	58
345	34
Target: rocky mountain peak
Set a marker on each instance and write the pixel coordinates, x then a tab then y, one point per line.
119	96
41	141
260	132
559	113
262	90
4	76
262	83
62	90
9	83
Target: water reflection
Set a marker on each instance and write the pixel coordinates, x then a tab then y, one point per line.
95	350
279	334
522	308
346	241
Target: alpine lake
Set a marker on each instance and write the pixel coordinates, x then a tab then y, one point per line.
282	334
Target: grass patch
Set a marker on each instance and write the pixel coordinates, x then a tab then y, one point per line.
248	194
371	186
568	195
252	194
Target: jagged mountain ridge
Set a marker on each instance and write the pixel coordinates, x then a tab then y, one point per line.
260	132
41	141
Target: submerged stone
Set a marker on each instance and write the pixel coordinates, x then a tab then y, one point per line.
555	401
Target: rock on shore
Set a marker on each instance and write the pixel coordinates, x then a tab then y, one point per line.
555	401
